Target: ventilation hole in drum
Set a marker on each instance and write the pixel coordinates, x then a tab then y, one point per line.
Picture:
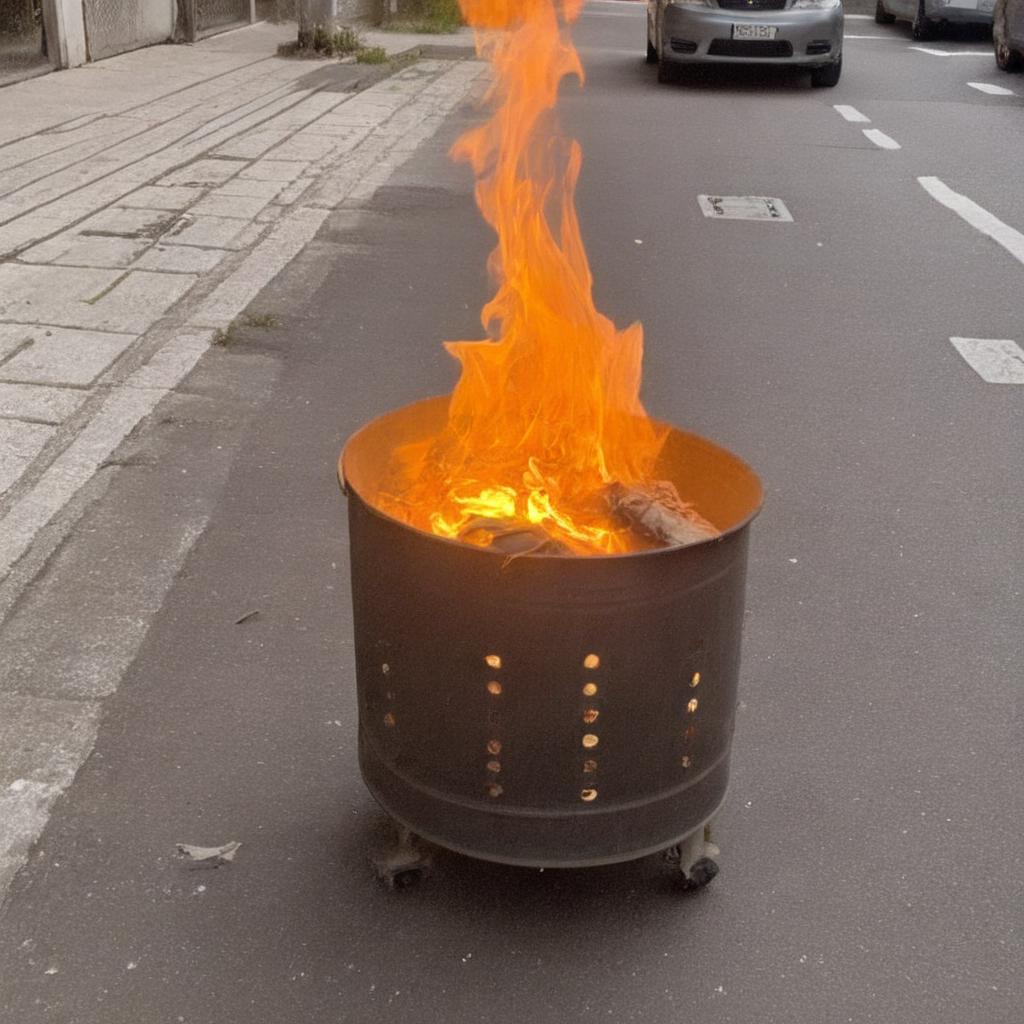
494	766
691	705
588	795
389	720
590	740
591	661
590	715
385	668
494	687
590	766
686	761
494	747
695	681
493	789
589	689
493	660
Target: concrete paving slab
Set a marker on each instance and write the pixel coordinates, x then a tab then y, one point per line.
274	170
242	186
239	207
105	300
131	222
20	443
253	144
204	172
74	250
38	402
162	197
180	259
42	744
212	232
55	355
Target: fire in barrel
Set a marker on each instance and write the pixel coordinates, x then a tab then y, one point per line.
547	583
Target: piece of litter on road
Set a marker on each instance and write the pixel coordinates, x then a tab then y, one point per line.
793	560
131	965
50	970
220	854
744	208
247	617
638	241
995	360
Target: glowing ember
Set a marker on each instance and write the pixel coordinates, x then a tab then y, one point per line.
546	419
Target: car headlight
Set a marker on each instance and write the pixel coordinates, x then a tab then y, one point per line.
816	5
689	3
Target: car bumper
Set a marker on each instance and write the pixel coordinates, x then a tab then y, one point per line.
704	34
961	12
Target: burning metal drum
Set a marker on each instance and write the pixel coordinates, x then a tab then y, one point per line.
543	710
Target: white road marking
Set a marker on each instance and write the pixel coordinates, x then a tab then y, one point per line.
850	113
951	53
846	36
992	90
880	139
860	17
996	360
978	217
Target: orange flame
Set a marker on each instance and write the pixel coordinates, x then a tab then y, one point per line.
549	414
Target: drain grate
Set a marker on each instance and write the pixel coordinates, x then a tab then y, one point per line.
744	208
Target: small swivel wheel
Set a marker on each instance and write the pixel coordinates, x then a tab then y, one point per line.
404	863
694	858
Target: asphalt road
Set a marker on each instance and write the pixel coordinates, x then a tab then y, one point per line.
871	853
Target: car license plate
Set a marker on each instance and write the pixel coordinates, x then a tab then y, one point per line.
754	31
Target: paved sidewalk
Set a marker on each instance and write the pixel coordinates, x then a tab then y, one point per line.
144	202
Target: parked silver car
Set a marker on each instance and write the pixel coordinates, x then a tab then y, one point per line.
805	33
926	17
1008	34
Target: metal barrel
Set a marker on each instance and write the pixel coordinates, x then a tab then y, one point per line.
547	711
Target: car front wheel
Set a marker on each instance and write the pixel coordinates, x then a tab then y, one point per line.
827	75
1006	58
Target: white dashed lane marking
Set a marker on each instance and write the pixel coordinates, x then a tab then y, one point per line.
992	90
850	113
977	216
880	139
995	360
952	53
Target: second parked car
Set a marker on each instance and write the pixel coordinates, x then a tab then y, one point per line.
926	17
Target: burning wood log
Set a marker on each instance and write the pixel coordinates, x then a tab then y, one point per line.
656	511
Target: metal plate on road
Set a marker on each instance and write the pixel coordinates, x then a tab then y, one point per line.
995	360
755	31
744	208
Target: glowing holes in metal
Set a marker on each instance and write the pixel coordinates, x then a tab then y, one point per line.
494	688
389	720
385	668
590	689
494	790
591	661
494	767
695	679
588	795
686	760
590	715
691	705
494	746
492	660
590	740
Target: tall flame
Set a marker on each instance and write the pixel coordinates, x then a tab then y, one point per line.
546	416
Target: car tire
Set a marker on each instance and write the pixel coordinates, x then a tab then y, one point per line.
882	16
922	28
668	72
828	75
1007	59
652	53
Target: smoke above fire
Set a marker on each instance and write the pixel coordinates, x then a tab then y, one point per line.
545	424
